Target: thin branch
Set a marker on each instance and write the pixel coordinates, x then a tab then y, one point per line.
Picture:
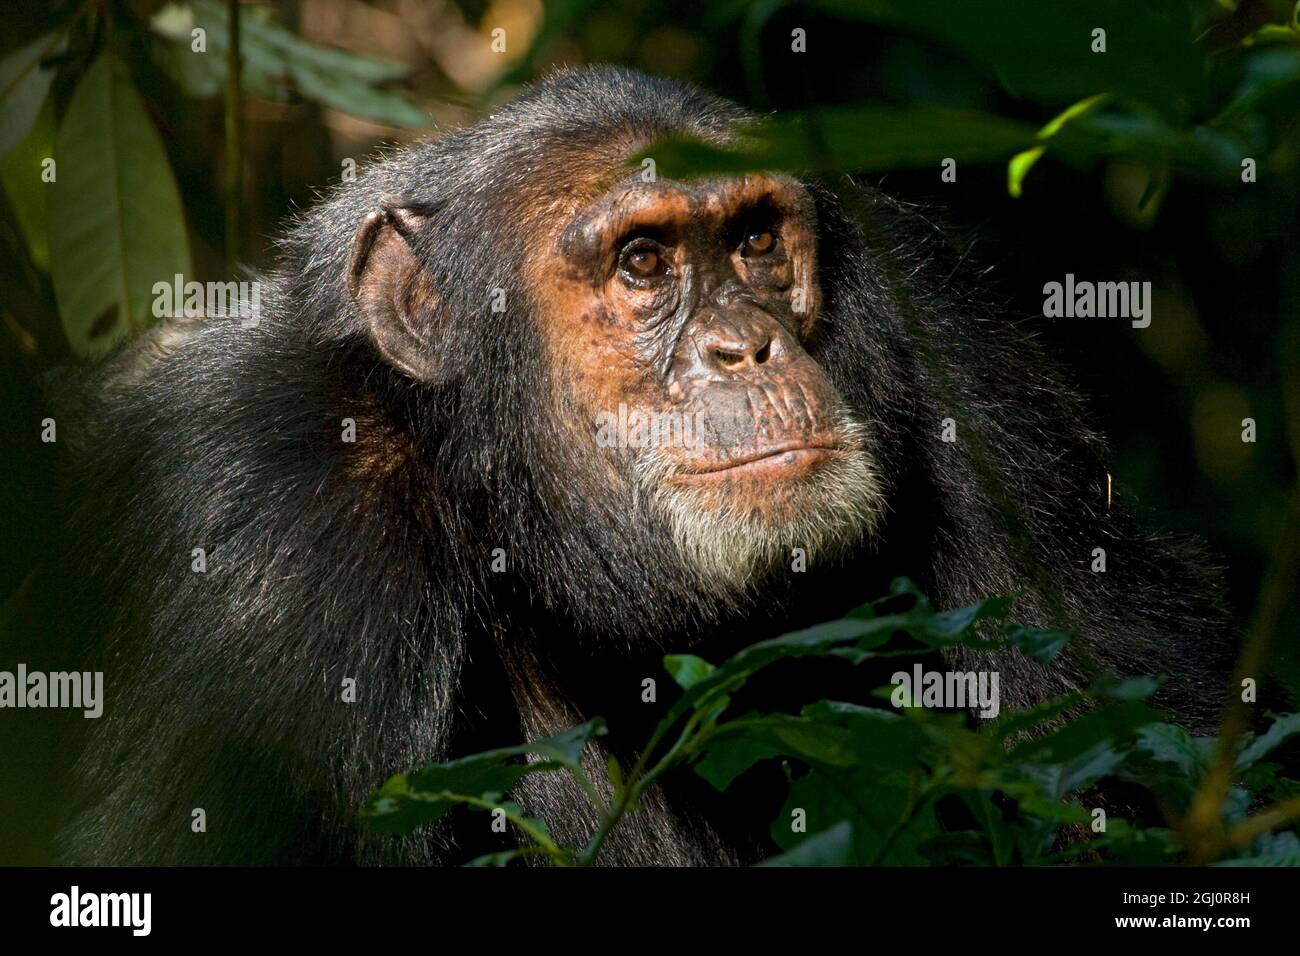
1203	827
234	140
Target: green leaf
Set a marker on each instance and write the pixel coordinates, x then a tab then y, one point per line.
1268	77
886	828
946	626
1018	168
999	836
116	222
1169	744
854	638
275	61
29	196
1087	768
24	84
263	35
1171	764
830	847
904	587
1279	732
203	74
961	848
614	773
1023	721
849	139
1281	848
567	747
500	858
687	669
1105	724
1021	163
1043	51
736	746
351	96
814	641
424	796
883	740
1264	778
1129	688
1039	645
405	802
1126	845
1202	151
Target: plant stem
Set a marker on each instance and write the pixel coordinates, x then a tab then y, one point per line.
636	784
1203	826
1280	814
557	854
588	788
234	140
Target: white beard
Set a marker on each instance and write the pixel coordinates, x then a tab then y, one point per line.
735	547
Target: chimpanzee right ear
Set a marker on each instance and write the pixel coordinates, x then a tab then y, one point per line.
395	293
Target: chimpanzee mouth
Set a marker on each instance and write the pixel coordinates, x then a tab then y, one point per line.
738	521
785	460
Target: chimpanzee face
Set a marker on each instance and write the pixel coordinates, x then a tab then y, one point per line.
678	317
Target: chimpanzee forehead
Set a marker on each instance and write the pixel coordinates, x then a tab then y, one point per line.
679	205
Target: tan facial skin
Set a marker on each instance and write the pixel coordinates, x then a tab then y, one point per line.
691	302
698	298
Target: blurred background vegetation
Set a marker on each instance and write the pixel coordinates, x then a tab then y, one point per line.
1142	180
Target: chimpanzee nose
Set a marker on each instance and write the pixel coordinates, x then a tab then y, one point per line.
738	346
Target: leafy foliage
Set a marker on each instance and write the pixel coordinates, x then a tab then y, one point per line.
875	786
114	223
278	65
1156	92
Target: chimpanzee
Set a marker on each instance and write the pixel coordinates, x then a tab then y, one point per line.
424	475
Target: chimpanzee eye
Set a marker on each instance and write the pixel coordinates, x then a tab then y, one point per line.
644	259
758	242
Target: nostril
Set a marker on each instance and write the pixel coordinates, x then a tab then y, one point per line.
728	359
764	353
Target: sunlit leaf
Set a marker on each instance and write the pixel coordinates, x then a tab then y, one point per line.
687	669
116	222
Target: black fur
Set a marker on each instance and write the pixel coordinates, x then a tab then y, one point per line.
372	560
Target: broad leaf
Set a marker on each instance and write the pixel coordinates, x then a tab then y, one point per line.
1282	729
831	847
423	796
24	82
116	222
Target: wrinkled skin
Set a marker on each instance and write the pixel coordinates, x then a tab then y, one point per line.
691	304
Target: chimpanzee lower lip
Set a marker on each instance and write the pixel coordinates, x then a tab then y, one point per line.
772	458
